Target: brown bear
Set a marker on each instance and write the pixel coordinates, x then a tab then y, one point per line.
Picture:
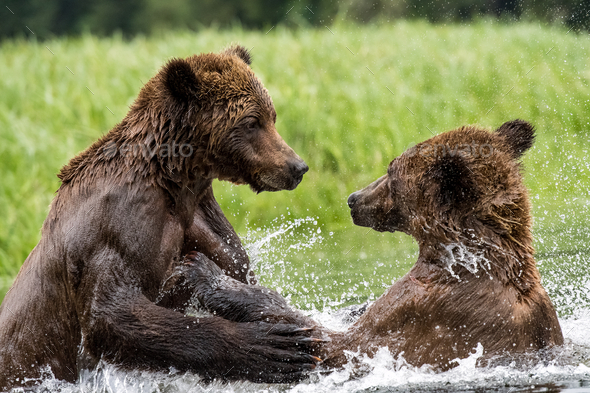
130	207
461	195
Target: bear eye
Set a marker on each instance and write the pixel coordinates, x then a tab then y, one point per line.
251	123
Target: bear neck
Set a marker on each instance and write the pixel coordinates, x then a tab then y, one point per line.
163	147
483	254
178	134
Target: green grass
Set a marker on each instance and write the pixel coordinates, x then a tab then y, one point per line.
348	99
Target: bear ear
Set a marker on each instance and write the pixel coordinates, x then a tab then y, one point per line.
241	52
519	135
453	183
180	79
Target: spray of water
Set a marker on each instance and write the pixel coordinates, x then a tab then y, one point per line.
473	261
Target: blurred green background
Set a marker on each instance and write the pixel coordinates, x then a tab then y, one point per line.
130	17
353	87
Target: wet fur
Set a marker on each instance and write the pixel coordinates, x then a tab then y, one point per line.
461	207
121	224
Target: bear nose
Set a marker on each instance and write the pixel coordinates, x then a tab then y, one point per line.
352	199
299	169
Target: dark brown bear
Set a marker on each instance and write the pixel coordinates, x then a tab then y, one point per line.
128	209
461	196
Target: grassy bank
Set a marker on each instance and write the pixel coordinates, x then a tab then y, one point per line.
348	99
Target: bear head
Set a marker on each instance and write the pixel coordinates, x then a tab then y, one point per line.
228	117
464	183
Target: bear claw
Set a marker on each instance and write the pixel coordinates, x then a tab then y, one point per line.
313	340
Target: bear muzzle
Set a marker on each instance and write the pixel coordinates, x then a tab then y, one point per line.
353	199
297	170
286	177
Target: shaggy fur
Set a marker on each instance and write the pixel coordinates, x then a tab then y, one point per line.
129	208
461	195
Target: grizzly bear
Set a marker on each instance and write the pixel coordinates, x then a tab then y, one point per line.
110	277
461	195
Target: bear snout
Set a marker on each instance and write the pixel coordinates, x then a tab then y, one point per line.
298	169
359	212
284	177
353	199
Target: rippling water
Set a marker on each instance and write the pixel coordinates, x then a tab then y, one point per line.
564	369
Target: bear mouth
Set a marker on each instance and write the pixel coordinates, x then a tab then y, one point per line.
258	188
273	183
365	219
360	219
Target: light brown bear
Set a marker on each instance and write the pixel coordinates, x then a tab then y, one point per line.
461	195
129	209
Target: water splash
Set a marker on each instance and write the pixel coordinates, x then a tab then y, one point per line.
473	261
272	248
270	245
385	372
